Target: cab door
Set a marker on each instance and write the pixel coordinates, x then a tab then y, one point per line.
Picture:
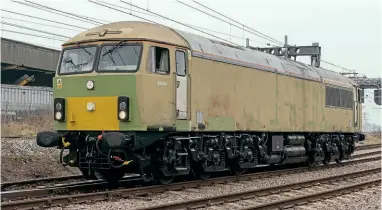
356	103
181	85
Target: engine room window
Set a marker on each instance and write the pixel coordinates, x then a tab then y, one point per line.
180	63
77	60
159	60
119	58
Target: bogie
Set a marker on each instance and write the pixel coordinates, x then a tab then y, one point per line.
204	154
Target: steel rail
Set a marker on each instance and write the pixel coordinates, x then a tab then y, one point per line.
79	177
291	202
366	154
368	146
88	186
136	191
81	187
231	197
35	181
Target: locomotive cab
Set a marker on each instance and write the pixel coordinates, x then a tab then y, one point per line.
130	88
98	86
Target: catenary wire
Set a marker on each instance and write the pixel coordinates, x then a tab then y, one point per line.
72	14
32	29
275	40
35	35
98	2
175	21
241	27
330	63
43	24
156	16
130	13
31	16
50	11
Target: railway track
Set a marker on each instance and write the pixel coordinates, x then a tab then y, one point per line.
40	181
252	196
369	146
101	184
78	178
46	197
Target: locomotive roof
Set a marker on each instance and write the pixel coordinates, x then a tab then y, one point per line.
129	29
211	49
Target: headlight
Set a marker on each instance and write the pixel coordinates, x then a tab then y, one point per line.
122	115
58	107
90	106
58	116
123	105
90	85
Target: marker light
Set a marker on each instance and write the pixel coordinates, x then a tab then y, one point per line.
58	107
122	106
90	85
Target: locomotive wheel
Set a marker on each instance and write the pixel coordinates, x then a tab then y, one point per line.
327	159
150	177
311	162
235	169
111	176
203	175
199	173
164	179
86	175
320	154
147	176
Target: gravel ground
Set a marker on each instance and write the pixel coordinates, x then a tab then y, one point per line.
292	194
24	159
369	198
221	189
358	152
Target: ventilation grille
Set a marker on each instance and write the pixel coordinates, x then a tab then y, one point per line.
338	97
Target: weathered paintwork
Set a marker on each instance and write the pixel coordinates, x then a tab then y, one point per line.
234	89
77	95
133	30
261	101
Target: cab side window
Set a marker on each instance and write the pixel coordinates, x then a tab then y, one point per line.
180	63
159	60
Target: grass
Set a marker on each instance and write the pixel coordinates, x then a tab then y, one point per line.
27	124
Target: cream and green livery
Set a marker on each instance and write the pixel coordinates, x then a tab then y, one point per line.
145	98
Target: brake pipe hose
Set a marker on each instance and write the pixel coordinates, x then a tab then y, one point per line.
65	145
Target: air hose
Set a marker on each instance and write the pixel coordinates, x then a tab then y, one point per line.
124	162
65	145
109	156
97	146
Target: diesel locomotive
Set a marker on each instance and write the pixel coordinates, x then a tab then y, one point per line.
136	97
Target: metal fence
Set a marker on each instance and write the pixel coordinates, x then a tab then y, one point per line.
22	101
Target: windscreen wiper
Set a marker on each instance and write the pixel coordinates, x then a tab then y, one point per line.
69	60
82	47
112	49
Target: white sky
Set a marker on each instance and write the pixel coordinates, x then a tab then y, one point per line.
349	31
